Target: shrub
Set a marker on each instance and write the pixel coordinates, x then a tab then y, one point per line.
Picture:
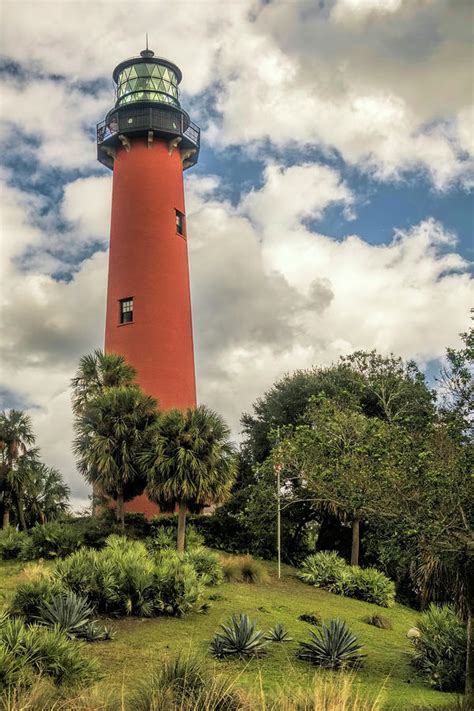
372	586
278	634
311	618
244	569
440	649
30	596
12	668
12	543
163	539
178	588
93	575
239	637
332	646
54	540
323	570
206	564
327	570
68	611
379	621
47	652
181	683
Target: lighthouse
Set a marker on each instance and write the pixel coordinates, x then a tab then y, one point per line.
148	140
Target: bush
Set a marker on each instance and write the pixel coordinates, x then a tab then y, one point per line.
206	564
12	543
30	596
45	652
440	649
182	683
323	570
372	586
327	570
178	588
125	579
54	540
244	569
332	646
239	637
68	611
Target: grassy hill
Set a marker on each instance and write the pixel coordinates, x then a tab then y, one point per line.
141	642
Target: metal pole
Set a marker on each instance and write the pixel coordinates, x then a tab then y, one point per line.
278	523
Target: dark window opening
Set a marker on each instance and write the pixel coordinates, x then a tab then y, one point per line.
126	310
179	223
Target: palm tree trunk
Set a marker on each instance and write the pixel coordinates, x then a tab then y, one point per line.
181	526
21	513
6	511
120	511
468	688
355	541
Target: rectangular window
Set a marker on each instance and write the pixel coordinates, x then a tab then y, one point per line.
179	222
126	310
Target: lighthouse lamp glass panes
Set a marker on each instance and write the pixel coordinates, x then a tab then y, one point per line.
126	310
147	82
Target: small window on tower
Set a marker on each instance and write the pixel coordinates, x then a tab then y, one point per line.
126	310
179	223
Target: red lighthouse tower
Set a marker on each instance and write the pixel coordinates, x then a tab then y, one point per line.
148	140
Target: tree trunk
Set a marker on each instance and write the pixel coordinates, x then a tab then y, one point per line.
6	512
181	526
21	513
355	541
120	511
468	688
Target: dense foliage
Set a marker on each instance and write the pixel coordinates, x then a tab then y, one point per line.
27	650
327	570
123	578
440	650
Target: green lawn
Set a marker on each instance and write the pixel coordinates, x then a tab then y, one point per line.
140	642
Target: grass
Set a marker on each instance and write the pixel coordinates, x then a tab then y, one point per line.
141	643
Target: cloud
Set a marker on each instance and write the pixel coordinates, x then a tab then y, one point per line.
344	77
269	294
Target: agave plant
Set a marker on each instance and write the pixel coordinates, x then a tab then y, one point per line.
68	611
278	634
239	637
332	646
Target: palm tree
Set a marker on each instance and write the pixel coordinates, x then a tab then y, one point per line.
191	460
46	495
16	435
96	371
111	434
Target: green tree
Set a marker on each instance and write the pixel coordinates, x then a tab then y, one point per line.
345	463
112	431
16	438
46	495
97	371
191	460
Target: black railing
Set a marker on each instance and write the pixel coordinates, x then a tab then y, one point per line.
150	118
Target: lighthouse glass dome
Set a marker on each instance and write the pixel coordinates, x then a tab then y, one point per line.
146	81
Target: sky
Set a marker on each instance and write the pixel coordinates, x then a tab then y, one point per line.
331	209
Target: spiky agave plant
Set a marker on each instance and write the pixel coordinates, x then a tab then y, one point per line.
332	646
239	637
68	611
278	634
